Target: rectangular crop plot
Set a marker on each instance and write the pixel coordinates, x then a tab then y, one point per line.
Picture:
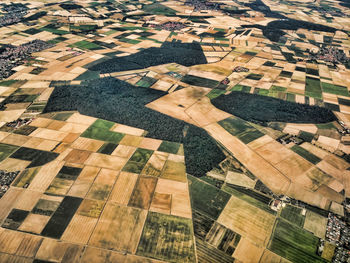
293	215
102	134
61	218
37	157
294	243
334	89
143	192
119	228
206	198
6	150
244	131
168	238
313	88
306	154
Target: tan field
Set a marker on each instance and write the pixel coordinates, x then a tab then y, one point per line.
34	223
119	228
76	233
87	144
179	196
316	224
247	251
247	220
274	152
123	188
255	163
293	166
106	161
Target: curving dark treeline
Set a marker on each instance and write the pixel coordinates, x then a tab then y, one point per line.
263	109
186	54
273	30
118	101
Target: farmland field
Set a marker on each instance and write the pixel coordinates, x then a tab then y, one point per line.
164	236
294	243
293	215
206	198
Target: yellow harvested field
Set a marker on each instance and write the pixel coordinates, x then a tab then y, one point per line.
123	188
79	229
41	122
124	151
27	200
106	161
10	241
49	134
175	104
77	156
247	220
331	170
127	129
81	119
29	246
300	193
257	143
10	115
247	252
87	144
269	257
312	128
89	173
316	224
80	188
180	197
73	127
52	250
274	152
119	228
15	139
44	177
330	142
8	201
337	208
149	143
240	179
12	165
34	223
293	166
204	113
269	175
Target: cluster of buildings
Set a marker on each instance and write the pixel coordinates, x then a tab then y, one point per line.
6	178
13	56
202	5
15	13
288	138
338	233
19	123
240	69
12	18
330	54
170	26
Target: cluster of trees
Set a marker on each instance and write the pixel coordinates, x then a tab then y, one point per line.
263	109
118	101
186	54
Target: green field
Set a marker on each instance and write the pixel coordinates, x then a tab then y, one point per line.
146	82
168	238
215	93
85	45
306	154
99	130
293	215
313	88
242	129
206	198
334	89
169	147
6	150
138	161
294	243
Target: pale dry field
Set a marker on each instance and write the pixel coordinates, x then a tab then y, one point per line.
248	221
